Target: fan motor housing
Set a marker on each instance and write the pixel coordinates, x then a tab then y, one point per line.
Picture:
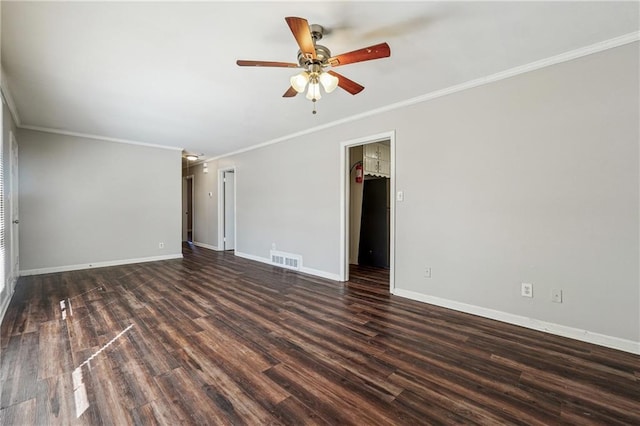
322	56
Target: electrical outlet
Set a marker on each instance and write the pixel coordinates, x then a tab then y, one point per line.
161	245
427	272
527	290
556	295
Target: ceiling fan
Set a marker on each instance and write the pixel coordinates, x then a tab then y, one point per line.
314	58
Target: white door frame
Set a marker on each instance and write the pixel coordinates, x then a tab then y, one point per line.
345	196
14	212
221	212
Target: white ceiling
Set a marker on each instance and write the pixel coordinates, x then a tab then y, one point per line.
164	73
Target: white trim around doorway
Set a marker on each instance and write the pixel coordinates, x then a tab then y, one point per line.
221	206
344	197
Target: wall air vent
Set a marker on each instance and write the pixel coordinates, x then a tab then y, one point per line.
286	260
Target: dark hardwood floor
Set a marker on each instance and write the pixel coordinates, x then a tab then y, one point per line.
215	339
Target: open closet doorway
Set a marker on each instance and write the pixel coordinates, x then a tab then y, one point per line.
227	209
187	208
369	212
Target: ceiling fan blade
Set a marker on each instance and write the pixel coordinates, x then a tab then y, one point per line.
348	85
290	93
300	29
244	63
377	51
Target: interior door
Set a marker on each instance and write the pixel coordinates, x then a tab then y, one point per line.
14	216
229	210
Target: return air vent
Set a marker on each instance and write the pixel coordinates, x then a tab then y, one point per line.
286	260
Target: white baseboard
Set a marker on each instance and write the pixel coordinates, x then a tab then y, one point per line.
252	257
5	304
534	324
9	289
321	274
304	269
207	246
67	268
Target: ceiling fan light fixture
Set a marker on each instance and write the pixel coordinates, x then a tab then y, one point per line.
329	82
299	81
313	94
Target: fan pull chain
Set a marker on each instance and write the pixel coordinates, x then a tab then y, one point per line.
314	107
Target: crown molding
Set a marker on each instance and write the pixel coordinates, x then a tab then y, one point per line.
96	137
8	99
6	96
512	72
553	60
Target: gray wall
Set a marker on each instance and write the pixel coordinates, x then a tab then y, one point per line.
288	194
529	179
85	201
533	179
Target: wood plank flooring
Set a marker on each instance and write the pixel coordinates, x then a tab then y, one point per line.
215	339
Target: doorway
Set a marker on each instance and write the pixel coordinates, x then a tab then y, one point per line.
187	208
227	209
368	210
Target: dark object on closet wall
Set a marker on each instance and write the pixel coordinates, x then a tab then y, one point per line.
374	225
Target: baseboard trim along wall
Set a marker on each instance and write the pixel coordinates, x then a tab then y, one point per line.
531	323
67	268
10	288
303	269
207	246
5	306
534	324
